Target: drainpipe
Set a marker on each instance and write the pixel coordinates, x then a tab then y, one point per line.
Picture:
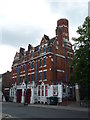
25	103
65	62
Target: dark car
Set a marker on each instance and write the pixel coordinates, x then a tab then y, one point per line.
6	98
11	99
52	100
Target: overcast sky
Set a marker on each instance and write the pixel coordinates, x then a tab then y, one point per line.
26	21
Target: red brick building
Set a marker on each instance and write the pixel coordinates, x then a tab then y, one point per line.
43	68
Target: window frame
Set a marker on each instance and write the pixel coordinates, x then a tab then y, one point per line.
44	61
45	75
40	77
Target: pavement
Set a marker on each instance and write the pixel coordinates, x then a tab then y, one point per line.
68	106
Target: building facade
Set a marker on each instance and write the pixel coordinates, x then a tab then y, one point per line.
44	70
6	84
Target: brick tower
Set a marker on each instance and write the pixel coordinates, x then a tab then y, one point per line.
62	31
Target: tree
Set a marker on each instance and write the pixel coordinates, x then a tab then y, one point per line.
81	60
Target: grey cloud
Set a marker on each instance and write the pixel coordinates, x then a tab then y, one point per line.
74	12
54	6
22	37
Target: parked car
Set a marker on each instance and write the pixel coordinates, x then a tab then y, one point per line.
7	98
11	99
52	100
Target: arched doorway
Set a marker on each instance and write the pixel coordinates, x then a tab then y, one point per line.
28	95
19	95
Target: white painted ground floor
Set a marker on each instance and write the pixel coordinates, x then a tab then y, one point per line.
33	93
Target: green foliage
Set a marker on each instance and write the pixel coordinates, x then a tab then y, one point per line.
81	60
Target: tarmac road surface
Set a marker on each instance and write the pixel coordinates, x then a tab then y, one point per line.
31	111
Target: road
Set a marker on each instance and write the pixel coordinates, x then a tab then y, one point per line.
21	111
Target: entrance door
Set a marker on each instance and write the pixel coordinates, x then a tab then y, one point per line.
19	95
28	95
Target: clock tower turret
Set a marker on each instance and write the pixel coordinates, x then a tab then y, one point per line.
62	31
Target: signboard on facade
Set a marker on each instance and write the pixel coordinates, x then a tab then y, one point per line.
55	90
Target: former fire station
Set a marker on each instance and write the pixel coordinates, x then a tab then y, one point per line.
43	71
